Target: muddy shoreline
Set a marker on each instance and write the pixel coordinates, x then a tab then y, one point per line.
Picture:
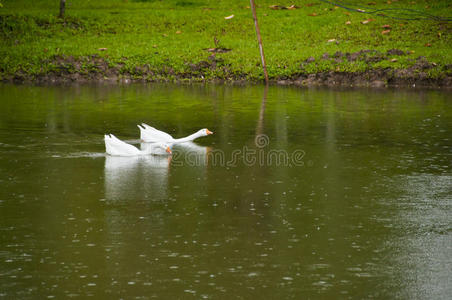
94	69
374	78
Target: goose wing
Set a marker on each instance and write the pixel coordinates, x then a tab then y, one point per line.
116	147
150	134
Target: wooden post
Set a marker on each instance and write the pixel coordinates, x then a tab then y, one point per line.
259	40
62	8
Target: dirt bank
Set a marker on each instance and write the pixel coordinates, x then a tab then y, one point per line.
67	69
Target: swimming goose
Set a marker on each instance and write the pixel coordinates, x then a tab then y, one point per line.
116	147
150	134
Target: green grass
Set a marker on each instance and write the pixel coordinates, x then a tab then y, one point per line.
167	36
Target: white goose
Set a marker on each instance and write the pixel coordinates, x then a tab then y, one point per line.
116	147
150	134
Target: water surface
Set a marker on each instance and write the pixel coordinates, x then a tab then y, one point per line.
363	210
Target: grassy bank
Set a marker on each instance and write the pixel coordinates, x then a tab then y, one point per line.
170	40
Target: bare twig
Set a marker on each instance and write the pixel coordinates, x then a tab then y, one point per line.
259	40
62	8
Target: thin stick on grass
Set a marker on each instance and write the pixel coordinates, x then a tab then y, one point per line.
259	40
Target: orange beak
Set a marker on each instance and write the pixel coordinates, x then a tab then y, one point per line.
208	131
168	150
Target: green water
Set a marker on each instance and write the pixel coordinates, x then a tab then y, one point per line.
364	210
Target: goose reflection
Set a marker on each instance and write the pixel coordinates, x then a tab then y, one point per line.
146	177
137	177
193	154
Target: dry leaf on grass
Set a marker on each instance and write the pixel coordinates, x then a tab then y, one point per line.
386	31
102	49
229	17
367	21
348	23
313	14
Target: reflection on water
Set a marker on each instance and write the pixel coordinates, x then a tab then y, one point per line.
148	175
145	175
191	154
367	214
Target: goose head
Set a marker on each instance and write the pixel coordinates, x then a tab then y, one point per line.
204	132
165	147
156	148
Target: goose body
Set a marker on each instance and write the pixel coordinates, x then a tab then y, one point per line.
116	147
151	135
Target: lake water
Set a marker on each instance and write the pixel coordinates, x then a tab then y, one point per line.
300	193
